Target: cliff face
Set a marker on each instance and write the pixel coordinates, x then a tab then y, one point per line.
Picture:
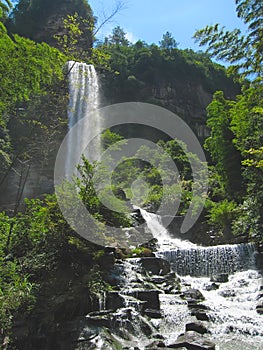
41	20
187	99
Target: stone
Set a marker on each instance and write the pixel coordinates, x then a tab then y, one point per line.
259	261
152	313
196	327
107	260
157	266
192	294
156	344
200	315
151	244
151	298
197	306
193	341
227	293
259	307
221	278
212	286
114	300
100	321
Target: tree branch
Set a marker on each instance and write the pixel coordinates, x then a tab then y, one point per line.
120	5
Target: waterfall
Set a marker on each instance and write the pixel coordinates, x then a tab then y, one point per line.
83	103
154	224
187	258
207	261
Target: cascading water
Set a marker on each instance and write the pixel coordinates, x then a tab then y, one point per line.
83	103
233	320
207	261
155	226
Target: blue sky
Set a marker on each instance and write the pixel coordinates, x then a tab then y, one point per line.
148	20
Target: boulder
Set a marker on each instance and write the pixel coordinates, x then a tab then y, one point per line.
227	293
156	266
100	321
212	286
192	294
193	341
200	315
156	344
259	308
114	301
198	306
196	327
151	298
221	278
107	260
151	244
152	313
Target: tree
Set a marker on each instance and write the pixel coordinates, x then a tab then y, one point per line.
118	37
5	7
107	18
244	52
168	42
220	145
41	20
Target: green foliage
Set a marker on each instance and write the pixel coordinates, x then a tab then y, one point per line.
137	67
244	52
31	76
117	37
32	69
5	7
15	295
222	214
220	145
90	174
31	18
109	138
256	158
68	41
168	42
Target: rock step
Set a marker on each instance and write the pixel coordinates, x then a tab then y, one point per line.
193	341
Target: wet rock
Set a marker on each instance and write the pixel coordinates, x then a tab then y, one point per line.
227	293
100	321
192	294
259	308
212	286
156	266
158	279
201	315
193	341
151	298
114	301
151	244
107	260
158	336
196	327
137	216
221	278
259	260
197	306
152	313
156	344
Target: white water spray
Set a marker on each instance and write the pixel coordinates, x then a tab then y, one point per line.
83	103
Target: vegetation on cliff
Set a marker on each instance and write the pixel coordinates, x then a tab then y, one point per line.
37	240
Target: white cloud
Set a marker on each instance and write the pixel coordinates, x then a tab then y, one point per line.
131	37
